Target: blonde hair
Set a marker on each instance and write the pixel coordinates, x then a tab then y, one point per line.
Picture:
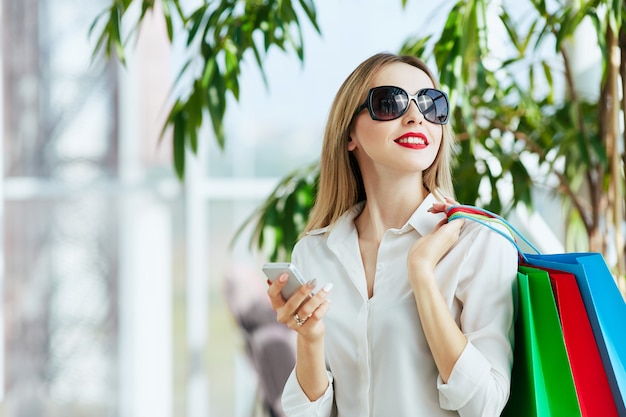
340	182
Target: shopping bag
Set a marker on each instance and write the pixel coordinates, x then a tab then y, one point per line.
542	383
603	303
590	380
605	308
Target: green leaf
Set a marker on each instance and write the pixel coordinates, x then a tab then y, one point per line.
509	26
102	39
179	145
415	46
115	38
531	32
208	74
281	218
308	6
522	183
196	19
167	15
547	71
145	6
495	204
216	103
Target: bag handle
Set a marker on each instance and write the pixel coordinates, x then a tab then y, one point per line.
488	219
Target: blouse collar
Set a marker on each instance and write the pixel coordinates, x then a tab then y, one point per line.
421	220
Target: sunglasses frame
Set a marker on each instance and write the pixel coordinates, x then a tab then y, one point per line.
424	91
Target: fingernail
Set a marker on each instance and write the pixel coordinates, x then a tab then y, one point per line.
328	287
312	283
430	209
283	278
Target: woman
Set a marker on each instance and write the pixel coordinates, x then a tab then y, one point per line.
422	314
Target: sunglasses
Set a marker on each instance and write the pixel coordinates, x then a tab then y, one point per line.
389	102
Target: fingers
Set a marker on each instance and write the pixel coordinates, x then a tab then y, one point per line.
275	288
291	306
451	201
312	307
308	319
276	293
449	230
443	205
452	231
315	317
457	224
303	308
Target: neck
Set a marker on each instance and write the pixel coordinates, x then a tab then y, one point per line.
389	205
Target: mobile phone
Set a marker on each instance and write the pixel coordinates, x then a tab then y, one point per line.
273	270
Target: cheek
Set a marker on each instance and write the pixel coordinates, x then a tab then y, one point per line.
437	134
365	132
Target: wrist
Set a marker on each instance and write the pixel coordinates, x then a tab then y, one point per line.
425	291
421	275
310	343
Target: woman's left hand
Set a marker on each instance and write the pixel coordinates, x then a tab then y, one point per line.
443	334
426	253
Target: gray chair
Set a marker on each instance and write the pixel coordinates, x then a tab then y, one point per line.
270	346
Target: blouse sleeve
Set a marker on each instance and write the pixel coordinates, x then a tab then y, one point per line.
294	400
479	384
297	404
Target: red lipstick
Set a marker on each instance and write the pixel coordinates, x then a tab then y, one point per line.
413	140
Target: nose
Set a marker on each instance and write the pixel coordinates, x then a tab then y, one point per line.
413	115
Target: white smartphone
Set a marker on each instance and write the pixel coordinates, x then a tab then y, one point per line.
273	269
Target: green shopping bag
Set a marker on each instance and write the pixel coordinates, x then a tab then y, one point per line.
542	383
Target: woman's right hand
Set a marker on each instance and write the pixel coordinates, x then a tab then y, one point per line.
304	311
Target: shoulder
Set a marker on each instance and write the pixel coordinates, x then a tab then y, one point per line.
488	240
338	230
487	259
310	240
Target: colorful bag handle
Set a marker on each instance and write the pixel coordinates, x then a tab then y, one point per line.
487	219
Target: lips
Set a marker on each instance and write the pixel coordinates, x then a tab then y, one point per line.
412	140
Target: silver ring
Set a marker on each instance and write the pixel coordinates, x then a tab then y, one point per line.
298	320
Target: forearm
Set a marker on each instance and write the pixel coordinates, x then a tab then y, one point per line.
311	368
445	339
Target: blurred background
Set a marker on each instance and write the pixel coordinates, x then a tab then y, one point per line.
113	271
129	292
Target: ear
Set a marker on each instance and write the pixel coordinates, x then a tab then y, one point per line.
351	144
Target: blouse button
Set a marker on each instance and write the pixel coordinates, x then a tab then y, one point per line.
380	266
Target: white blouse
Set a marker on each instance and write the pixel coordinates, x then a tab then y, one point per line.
378	360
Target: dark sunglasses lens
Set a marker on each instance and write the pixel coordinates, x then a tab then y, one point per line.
388	103
434	105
